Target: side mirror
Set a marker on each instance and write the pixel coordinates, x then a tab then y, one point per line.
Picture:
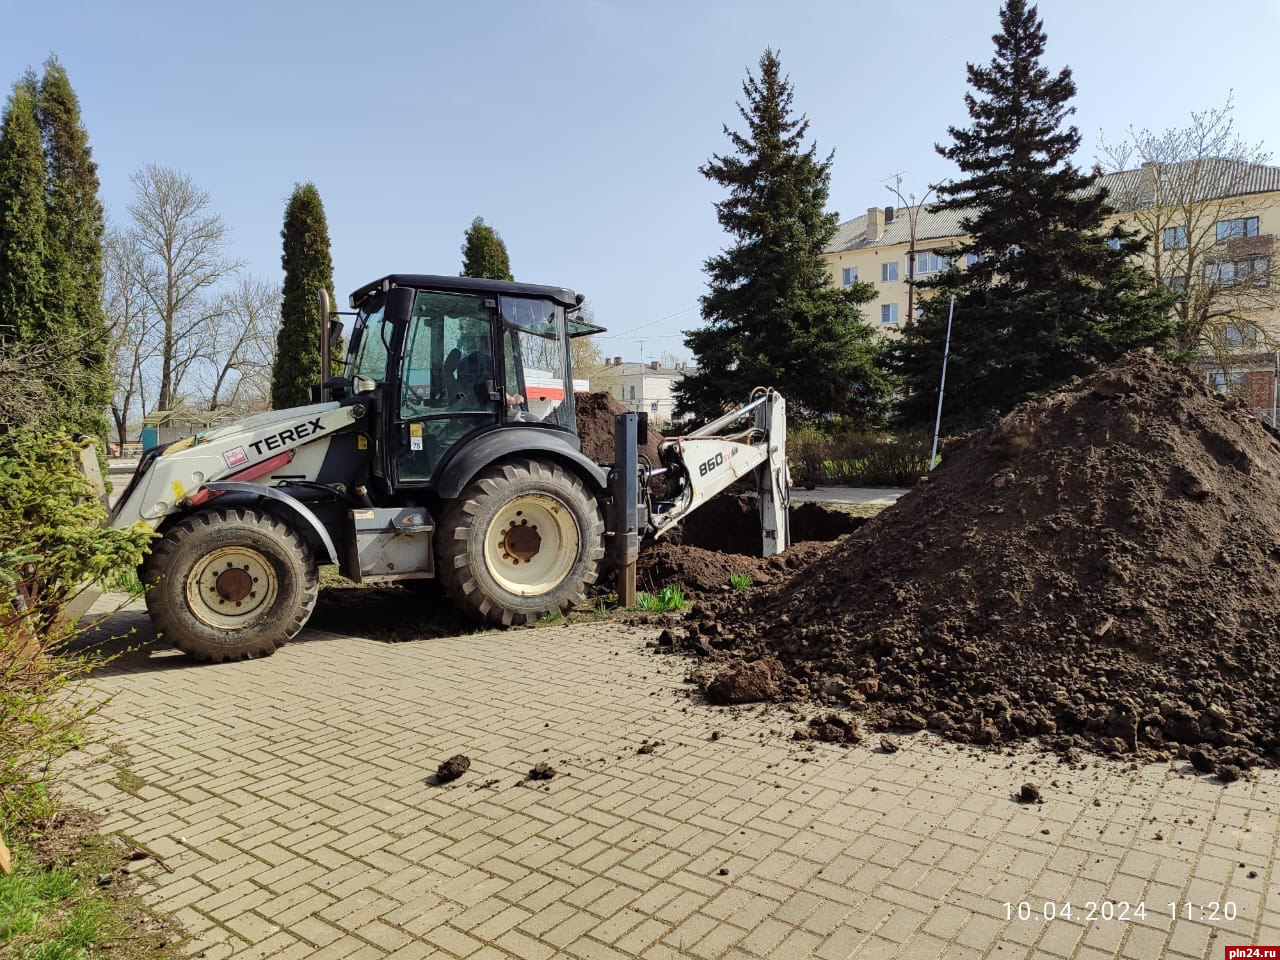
399	305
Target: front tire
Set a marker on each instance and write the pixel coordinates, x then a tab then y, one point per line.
525	539
233	583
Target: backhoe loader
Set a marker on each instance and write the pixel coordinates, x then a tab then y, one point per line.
447	448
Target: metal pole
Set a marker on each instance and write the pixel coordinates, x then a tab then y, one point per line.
942	385
1275	388
324	344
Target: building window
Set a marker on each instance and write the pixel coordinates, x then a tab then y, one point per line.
633	393
1241	334
1175	238
1241	227
849	275
889	271
973	259
1233	383
930	261
888	313
1176	282
1229	273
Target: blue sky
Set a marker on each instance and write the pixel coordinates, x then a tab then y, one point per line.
576	128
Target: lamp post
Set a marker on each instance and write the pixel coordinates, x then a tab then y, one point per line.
913	213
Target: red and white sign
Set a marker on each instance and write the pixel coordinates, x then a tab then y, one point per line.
235	457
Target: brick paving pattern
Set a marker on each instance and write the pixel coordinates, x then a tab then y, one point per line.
292	799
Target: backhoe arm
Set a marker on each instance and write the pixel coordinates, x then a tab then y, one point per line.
712	462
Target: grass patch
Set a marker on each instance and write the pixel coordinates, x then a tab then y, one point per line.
127	781
666	600
740	581
78	905
126	582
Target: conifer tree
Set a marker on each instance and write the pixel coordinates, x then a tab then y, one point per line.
23	295
1047	293
308	268
484	255
73	247
771	314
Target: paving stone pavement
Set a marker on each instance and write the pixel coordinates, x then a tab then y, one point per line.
292	799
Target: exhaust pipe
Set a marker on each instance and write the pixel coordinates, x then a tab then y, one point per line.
324	345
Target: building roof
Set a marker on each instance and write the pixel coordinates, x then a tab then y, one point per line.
1206	180
635	369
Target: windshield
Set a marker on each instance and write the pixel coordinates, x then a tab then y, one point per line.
370	341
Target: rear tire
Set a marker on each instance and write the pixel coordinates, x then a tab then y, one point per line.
524	539
233	583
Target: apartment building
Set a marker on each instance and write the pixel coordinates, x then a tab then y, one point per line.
642	387
1211	230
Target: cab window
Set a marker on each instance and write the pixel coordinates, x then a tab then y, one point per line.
536	368
371	355
448	357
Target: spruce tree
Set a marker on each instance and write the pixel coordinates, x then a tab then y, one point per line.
772	316
1048	294
73	248
308	268
484	255
23	293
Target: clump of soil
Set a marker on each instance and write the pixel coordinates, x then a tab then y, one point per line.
722	538
542	771
453	768
746	682
596	413
832	728
1098	568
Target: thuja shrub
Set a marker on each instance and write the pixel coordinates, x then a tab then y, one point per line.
52	545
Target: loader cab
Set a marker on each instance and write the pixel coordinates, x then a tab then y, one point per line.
453	359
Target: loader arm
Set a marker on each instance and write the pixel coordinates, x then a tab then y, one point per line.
712	461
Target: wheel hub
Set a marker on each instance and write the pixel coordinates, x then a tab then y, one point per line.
531	544
520	542
230	587
233	584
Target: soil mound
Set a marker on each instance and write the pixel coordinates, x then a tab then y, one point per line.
1098	568
722	538
699	571
595	413
731	524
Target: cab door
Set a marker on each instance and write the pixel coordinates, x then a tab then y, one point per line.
448	380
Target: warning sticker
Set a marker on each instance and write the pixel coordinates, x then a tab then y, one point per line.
415	443
415	429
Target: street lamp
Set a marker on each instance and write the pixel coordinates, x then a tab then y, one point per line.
913	212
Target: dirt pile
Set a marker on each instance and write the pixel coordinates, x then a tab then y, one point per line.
1099	568
596	413
722	539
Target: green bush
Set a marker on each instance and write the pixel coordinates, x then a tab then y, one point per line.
857	459
52	543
